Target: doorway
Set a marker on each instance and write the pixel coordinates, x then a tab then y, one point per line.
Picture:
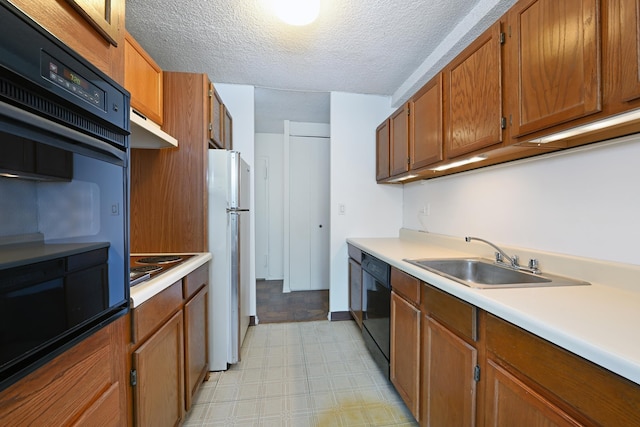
292	223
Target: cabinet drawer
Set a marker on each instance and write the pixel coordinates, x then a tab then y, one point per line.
601	395
405	285
354	253
458	315
194	281
152	313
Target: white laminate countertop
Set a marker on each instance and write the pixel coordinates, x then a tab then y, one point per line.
598	322
147	289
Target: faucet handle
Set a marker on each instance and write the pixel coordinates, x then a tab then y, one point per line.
499	257
515	260
533	264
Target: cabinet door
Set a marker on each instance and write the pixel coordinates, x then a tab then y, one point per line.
512	403
448	386
215	118
405	351
622	48
399	141
227	129
355	291
103	15
195	344
159	363
382	151
426	125
473	96
554	65
143	78
83	386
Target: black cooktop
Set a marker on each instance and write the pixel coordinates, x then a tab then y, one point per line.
160	259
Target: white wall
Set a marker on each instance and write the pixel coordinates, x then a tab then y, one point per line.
239	99
371	210
582	202
269	152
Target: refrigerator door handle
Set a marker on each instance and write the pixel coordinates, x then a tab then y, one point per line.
231	210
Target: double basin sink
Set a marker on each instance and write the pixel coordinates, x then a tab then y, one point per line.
485	274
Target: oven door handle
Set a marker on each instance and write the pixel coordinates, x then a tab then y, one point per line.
82	143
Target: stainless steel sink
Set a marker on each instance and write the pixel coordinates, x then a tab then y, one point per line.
481	273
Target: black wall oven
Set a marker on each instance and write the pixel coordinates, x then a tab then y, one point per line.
64	194
376	309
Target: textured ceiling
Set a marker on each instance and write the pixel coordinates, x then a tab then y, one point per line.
385	47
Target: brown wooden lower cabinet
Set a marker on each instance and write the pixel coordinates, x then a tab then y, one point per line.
587	392
448	385
85	386
159	393
405	351
196	362
510	402
474	368
169	352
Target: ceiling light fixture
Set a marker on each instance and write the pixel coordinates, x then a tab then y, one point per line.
297	12
460	163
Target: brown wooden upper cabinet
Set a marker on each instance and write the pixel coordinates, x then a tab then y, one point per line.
473	96
620	55
106	16
382	150
554	70
227	129
623	18
399	141
215	118
143	79
425	125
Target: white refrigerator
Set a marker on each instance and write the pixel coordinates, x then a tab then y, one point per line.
228	228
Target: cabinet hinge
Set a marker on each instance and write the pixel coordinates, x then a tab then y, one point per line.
210	93
502	38
503	122
408	160
133	377
210	126
476	373
408	111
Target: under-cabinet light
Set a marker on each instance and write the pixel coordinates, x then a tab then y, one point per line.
9	175
402	178
460	163
590	127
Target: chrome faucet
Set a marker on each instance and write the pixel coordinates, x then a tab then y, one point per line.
514	261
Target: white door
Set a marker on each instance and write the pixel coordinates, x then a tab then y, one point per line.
308	213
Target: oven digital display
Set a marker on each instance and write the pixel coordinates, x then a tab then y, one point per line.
75	79
64	77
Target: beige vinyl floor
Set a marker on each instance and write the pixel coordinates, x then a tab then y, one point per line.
300	374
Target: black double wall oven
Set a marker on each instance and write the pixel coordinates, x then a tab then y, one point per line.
64	194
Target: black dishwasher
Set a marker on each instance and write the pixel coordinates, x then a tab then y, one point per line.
376	309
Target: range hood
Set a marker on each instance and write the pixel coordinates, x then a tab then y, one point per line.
147	134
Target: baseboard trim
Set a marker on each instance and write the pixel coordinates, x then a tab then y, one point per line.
340	315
